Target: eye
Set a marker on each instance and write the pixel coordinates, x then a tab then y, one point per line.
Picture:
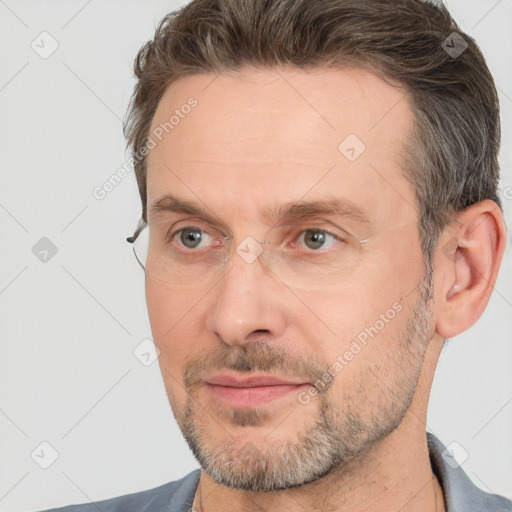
192	237
317	239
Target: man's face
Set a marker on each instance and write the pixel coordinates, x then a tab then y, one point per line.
338	296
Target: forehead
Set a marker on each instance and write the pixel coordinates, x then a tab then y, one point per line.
262	137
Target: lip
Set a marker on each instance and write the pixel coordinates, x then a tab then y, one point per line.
225	379
252	391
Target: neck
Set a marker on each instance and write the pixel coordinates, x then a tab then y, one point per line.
395	475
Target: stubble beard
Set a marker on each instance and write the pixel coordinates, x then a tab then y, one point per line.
341	434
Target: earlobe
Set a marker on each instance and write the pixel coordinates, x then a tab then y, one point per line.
470	267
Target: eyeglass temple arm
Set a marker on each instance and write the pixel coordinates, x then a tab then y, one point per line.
140	226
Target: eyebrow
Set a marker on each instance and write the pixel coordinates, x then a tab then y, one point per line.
328	206
286	211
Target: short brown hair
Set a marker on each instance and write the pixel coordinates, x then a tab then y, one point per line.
451	156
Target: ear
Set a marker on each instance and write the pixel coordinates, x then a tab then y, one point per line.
468	259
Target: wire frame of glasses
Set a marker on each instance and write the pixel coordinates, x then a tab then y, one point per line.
284	256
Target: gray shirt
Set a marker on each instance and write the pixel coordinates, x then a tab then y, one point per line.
460	494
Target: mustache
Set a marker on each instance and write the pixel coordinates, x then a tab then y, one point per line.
252	357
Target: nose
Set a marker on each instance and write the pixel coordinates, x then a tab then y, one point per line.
249	304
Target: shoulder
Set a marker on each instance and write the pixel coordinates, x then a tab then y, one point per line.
460	493
174	496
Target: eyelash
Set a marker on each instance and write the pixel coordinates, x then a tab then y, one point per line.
297	236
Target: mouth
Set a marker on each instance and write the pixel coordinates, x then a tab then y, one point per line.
251	391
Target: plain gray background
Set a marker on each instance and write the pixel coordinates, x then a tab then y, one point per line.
70	324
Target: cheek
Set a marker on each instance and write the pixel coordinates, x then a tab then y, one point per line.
367	342
161	310
177	324
343	311
355	324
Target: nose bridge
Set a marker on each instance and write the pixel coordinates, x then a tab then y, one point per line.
248	298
